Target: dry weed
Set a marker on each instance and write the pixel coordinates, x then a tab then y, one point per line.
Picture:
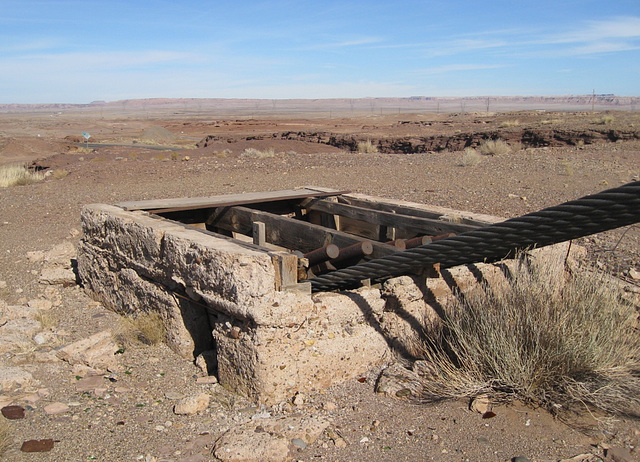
470	157
146	327
533	338
16	175
253	153
59	173
5	436
494	148
367	147
510	123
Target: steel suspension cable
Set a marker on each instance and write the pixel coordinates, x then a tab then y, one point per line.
592	214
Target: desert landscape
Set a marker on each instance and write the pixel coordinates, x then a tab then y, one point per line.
496	156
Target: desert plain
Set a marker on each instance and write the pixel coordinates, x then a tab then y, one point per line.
402	149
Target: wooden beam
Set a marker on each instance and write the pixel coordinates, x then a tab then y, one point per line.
396	220
393	206
288	232
193	203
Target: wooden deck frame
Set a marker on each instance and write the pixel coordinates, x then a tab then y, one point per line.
305	219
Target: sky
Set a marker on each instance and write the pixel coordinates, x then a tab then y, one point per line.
78	51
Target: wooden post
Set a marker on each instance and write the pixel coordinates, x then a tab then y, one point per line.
259	233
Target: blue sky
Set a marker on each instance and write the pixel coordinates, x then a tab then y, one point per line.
79	51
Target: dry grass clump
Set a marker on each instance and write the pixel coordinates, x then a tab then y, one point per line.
536	339
471	157
146	327
367	147
510	123
607	120
15	175
253	153
5	436
494	147
59	173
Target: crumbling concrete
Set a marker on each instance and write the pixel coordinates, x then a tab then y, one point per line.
220	294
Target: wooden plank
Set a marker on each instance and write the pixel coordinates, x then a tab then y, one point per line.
192	203
286	266
396	220
288	232
417	210
259	233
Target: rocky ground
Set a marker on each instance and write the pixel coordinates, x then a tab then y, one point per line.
84	398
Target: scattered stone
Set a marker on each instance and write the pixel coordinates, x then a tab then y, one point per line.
520	459
173	395
267	439
618	455
90	383
32	398
210	379
58	276
42	338
97	351
634	273
14	377
13	412
481	404
207	362
35	256
299	442
56	408
40	304
192	404
329	406
583	458
398	382
61	254
37	445
298	399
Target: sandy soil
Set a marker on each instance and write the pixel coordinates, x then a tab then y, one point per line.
156	157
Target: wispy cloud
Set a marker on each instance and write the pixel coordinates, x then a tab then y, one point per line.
456	68
337	44
104	61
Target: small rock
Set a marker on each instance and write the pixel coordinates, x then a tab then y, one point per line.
40	304
13	412
520	459
329	406
37	445
481	404
90	383
44	337
298	399
35	256
210	379
207	362
173	395
14	377
58	276
618	455
56	408
398	382
192	404
97	351
634	273
364	440
299	442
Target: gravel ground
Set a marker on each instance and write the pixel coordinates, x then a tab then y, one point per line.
133	419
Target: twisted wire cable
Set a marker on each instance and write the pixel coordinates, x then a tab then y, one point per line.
591	214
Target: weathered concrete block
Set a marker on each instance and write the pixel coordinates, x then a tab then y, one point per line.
217	293
220	294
